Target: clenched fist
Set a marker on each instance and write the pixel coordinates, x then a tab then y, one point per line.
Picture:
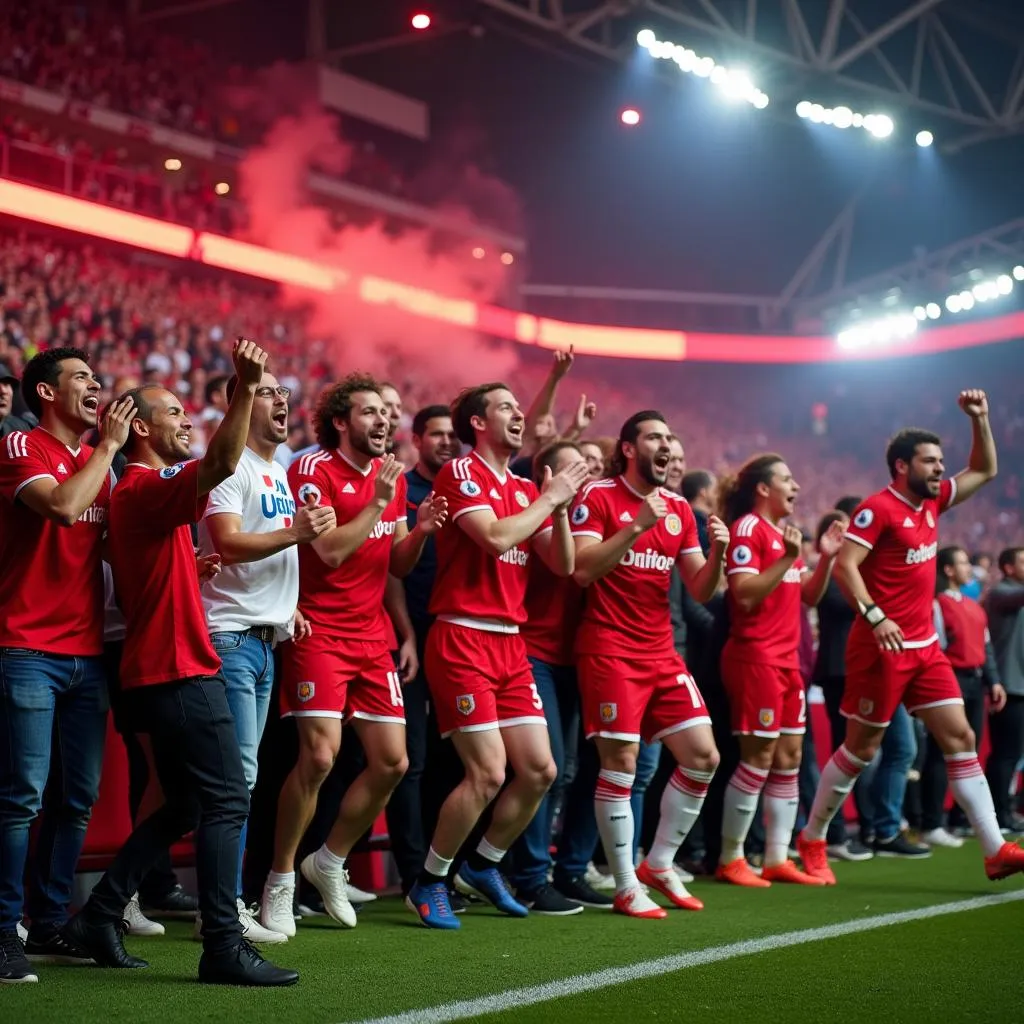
250	361
652	511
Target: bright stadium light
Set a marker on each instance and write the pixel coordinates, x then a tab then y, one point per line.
420	21
172	163
933	310
953	303
1004	284
735	84
630	117
880	331
924	139
879	125
1018	273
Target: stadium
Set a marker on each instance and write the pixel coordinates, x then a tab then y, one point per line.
785	226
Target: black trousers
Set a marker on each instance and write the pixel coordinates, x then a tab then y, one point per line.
199	766
933	771
1006	730
161	878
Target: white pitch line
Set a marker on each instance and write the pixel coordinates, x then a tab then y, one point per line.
582	984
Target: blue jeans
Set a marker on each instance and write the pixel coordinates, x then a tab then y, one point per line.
531	852
43	696
889	785
646	765
248	670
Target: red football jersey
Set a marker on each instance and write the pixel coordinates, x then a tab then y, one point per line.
554	605
155	578
626	614
52	575
899	571
769	634
348	600
470	583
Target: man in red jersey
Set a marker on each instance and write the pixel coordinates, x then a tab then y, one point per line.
477	669
760	665
344	670
170	681
887	568
629	532
54	493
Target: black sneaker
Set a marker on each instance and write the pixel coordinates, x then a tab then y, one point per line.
547	900
579	891
901	846
174	903
14	966
244	966
851	850
104	942
458	902
54	947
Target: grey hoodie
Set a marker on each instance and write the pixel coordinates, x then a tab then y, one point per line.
1005	607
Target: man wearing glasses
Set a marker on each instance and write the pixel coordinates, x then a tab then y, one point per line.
252	523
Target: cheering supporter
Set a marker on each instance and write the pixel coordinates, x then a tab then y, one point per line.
173	690
253	524
54	497
9	421
962	626
476	660
1005	608
768	582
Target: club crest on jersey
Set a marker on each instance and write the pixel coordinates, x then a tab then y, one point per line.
929	518
865	706
580	514
673	524
307	491
169	472
766	716
305	691
523	500
742	555
609	712
864	518
470	488
466	704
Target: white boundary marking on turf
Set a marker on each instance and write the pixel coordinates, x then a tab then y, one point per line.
581	984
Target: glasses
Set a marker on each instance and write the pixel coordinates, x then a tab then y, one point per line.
281	391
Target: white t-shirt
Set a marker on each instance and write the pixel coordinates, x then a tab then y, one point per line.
263	593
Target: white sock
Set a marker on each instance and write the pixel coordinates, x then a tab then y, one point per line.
615	824
489	852
838	778
970	790
281	878
435	864
328	862
781	803
738	809
680	805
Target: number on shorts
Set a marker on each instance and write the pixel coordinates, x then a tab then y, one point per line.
688	681
537	702
802	717
395	686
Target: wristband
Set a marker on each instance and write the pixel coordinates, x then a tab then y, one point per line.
873	614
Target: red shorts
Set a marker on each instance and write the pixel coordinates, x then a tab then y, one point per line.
877	681
327	676
631	699
480	680
764	700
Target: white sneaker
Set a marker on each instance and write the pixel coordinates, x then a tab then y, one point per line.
940	837
684	876
277	912
253	931
22	933
357	895
138	923
597	880
333	889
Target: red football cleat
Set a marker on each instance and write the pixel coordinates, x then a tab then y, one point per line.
1007	861
669	885
814	854
636	903
787	871
739	872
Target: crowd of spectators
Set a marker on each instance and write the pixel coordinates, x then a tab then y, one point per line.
143	322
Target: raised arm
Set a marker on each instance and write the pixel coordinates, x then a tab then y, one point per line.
544	400
814	585
983	464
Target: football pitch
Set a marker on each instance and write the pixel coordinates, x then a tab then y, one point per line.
895	940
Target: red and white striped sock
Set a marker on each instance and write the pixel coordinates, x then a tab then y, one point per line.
615	824
838	778
970	790
741	796
781	802
680	805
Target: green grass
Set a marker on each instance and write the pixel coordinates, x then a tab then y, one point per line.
961	967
